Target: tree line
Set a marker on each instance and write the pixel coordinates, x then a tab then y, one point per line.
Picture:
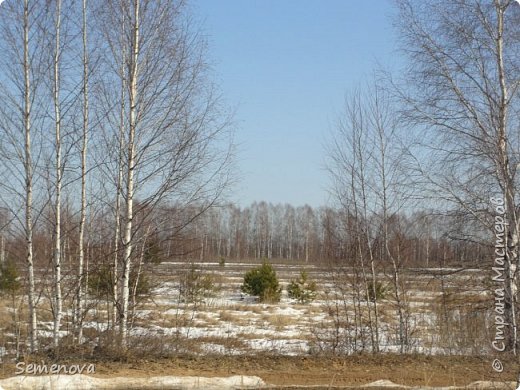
317	235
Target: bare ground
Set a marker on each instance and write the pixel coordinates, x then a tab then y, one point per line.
329	372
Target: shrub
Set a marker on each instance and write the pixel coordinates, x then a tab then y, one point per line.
302	289
101	282
144	284
380	291
153	253
263	283
194	285
9	282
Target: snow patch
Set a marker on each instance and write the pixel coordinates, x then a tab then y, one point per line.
84	382
384	383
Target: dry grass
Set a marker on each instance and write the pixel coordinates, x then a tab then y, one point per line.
279	321
232	343
238	319
154	315
313	310
423	293
257	309
6	317
206	319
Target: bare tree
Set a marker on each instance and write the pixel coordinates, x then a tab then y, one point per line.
84	150
462	93
57	307
131	160
175	144
20	123
351	155
28	177
392	192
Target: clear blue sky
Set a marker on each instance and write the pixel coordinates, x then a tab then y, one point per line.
285	65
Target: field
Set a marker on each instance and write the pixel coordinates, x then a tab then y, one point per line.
223	332
232	323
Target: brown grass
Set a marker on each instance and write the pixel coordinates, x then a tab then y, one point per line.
231	343
234	318
206	319
414	371
257	309
279	321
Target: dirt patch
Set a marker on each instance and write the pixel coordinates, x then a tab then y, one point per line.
324	371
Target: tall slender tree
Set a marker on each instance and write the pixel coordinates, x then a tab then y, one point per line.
20	125
28	178
84	150
133	75
174	128
57	255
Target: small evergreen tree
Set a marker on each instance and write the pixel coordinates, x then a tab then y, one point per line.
100	283
153	253
9	282
263	283
195	285
377	292
10	285
302	289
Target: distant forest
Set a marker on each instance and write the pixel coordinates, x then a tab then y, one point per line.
314	235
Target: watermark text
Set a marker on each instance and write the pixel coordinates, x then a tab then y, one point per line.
500	227
54	369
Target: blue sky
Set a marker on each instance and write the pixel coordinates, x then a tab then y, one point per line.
285	66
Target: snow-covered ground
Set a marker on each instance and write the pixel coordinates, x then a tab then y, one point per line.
84	382
229	322
232	323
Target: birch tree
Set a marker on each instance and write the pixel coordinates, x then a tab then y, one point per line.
57	307
22	67
462	94
27	162
392	193
84	150
176	146
351	157
131	150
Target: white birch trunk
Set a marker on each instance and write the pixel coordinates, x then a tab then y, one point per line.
119	186
375	329
28	182
57	231
127	241
117	231
83	213
138	274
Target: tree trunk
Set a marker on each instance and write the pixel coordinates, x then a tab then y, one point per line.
83	212
28	182
57	231
509	188
127	243
138	274
117	231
